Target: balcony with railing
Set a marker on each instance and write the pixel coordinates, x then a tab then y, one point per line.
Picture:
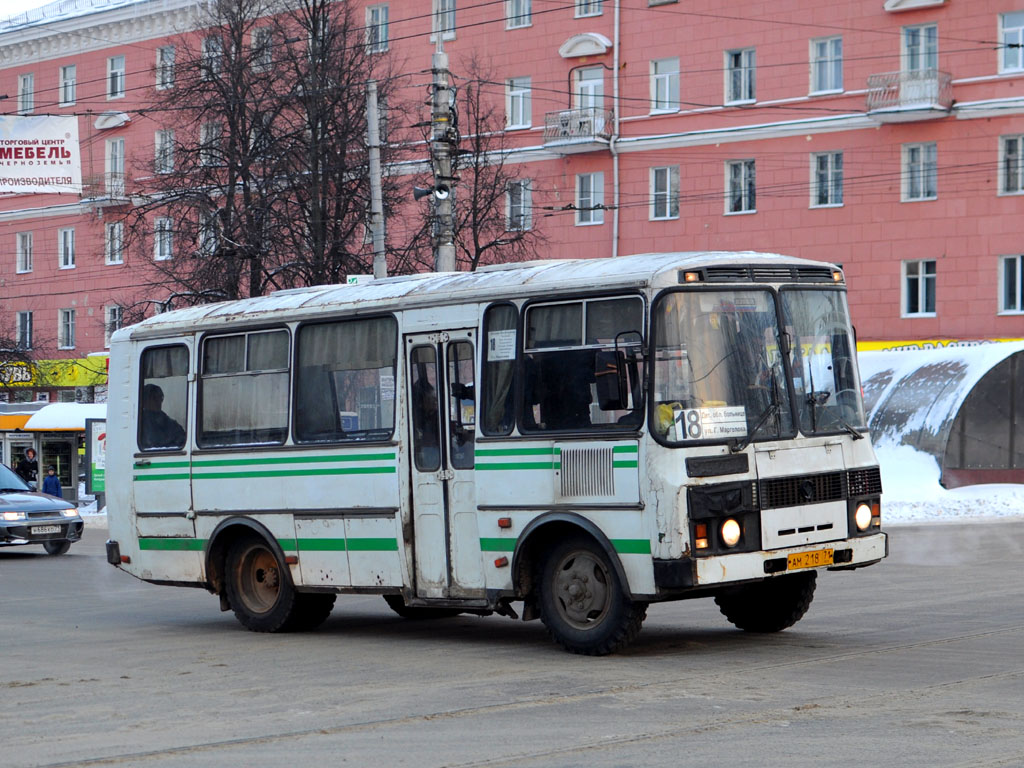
104	188
900	97
578	130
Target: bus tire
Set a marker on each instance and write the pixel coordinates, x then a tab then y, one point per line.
259	588
56	547
397	604
582	603
312	610
771	605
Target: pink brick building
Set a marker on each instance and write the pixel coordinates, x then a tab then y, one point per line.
884	135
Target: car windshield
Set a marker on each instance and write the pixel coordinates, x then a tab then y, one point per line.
10	481
822	358
718	369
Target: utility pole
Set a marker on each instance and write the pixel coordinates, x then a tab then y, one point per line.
444	137
380	262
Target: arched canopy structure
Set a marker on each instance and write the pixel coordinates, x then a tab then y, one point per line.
962	405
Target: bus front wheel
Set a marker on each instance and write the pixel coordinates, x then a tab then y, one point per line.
582	603
771	605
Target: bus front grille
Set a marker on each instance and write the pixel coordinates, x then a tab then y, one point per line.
795	491
865	482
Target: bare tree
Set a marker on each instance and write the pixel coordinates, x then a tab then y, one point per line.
19	356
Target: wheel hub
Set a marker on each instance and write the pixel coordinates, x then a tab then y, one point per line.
581	590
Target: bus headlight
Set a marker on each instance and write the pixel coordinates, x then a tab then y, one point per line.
731	532
862	517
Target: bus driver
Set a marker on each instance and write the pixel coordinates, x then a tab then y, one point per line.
158	430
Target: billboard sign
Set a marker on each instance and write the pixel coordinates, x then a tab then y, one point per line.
95	455
39	155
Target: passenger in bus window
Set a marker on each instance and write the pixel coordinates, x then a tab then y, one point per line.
158	429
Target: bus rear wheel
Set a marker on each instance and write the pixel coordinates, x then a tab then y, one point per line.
771	605
582	603
261	594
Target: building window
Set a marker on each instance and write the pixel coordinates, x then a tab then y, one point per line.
742	186
26	93
588	8
164	151
919	172
518	13
24	330
665	193
517	102
444	19
163	239
739	75
210	144
66	247
1011	169
68	80
113	242
377	28
66	329
211	55
664	85
590	198
920	48
207	234
24	252
261	49
826	179
1011	284
115	167
115	77
919	287
590	88
518	206
827	64
165	67
113	319
1011	33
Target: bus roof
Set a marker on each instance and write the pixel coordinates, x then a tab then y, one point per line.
512	280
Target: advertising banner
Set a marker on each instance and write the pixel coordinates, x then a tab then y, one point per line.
39	155
96	455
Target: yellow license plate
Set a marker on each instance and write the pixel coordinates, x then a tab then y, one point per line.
813	559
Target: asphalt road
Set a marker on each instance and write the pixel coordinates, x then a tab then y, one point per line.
917	661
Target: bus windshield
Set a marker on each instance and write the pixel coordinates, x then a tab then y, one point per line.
718	369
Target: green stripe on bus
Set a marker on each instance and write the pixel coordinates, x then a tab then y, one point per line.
373	545
515	451
625	449
293	473
183	476
521	465
497	545
295	460
625	465
172	545
632	546
321	545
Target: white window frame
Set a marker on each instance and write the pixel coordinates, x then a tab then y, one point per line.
919	47
377	19
518	103
163	239
116	74
113	243
23	248
1011	59
920	165
586	8
26	93
664	85
518	206
211	135
741	175
261	44
211	57
68	85
23	329
66	328
66	247
1014	264
165	56
1011	165
923	278
831	165
163	150
741	76
664	193
589	91
113	320
589	199
827	65
114	167
207	234
518	14
443	19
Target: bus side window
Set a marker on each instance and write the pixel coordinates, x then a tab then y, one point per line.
499	370
426	424
163	398
462	404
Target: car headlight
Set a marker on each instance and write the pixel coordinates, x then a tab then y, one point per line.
70	512
730	532
862	517
12	516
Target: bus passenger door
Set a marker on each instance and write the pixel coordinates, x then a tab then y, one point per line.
442	423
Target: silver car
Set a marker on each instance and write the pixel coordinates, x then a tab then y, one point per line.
29	517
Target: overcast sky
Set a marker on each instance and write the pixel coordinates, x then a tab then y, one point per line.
11	7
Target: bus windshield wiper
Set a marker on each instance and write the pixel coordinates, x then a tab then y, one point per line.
735	446
851	429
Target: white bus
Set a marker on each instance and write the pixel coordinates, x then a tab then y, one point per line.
584	436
